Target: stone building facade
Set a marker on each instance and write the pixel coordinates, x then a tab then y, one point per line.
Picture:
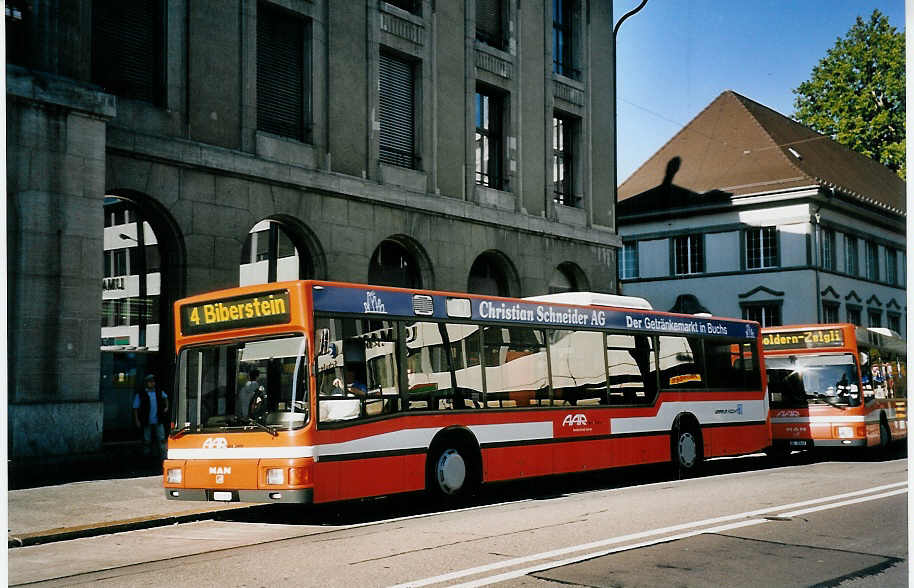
444	145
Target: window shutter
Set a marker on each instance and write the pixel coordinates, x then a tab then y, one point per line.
488	22
127	48
397	112
280	73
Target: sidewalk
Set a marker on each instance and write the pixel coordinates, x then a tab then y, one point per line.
115	490
82	509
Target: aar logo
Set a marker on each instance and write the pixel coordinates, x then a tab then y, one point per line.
575	420
215	443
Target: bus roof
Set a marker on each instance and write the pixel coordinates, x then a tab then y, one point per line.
594	299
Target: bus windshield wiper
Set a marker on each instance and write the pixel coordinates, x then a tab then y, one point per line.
180	432
259	425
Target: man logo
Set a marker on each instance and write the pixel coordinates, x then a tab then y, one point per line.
574	420
215	443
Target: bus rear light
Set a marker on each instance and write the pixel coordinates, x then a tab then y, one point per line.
275	476
845	432
299	476
175	475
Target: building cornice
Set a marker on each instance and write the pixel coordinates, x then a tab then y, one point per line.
228	162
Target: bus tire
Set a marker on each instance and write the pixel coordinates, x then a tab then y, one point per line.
778	452
452	470
885	433
686	447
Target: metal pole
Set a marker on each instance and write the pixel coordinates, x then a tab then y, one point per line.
615	224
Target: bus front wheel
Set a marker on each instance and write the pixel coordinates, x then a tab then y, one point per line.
885	434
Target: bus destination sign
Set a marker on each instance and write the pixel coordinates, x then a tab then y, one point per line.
254	310
809	339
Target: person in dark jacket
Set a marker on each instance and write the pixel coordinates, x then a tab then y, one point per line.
150	413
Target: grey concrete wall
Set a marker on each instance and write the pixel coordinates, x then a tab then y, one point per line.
55	186
534	137
347	78
602	62
214	73
450	99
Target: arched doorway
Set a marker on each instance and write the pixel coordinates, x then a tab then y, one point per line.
493	273
567	277
400	261
138	291
278	249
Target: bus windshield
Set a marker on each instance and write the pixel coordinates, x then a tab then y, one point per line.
258	385
798	381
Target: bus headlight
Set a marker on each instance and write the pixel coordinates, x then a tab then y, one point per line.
845	432
275	476
174	475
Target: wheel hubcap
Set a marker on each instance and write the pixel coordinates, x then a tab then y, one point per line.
451	472
688	450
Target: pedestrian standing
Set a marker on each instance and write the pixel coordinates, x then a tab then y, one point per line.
150	411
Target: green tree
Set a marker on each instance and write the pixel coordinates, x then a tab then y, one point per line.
856	93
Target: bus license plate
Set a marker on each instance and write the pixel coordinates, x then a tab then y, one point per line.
227	496
797	443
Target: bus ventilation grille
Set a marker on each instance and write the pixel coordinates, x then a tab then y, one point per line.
423	305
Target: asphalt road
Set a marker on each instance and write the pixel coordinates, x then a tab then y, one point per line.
812	522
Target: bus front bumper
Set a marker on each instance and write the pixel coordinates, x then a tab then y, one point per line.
298	496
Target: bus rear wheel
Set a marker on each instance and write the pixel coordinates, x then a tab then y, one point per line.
452	473
686	449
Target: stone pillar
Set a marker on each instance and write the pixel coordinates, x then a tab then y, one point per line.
56	186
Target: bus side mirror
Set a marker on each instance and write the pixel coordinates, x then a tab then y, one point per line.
864	358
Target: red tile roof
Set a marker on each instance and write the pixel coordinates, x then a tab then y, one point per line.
738	146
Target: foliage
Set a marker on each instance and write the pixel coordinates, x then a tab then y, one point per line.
856	93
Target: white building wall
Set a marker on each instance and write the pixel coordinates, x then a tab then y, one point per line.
792	242
722	251
654	258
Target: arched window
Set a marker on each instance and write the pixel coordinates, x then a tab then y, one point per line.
270	254
492	274
131	279
392	264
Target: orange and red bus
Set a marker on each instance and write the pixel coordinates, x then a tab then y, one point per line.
835	385
313	391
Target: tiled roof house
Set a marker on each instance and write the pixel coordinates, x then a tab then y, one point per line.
745	212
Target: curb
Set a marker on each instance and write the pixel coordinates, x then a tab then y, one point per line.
96	529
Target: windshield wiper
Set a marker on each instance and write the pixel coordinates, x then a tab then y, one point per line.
827	399
180	432
263	426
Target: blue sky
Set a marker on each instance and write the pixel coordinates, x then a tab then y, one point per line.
676	56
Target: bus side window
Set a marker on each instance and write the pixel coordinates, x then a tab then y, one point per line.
578	367
679	366
516	372
632	369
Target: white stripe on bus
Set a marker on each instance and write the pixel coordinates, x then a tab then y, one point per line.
421	438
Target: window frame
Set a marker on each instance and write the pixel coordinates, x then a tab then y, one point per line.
766	254
389	101
872	260
829	241
695	254
764	307
563	30
629	270
303	124
851	256
564	135
490	136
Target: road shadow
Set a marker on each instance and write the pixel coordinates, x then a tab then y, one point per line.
544	488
